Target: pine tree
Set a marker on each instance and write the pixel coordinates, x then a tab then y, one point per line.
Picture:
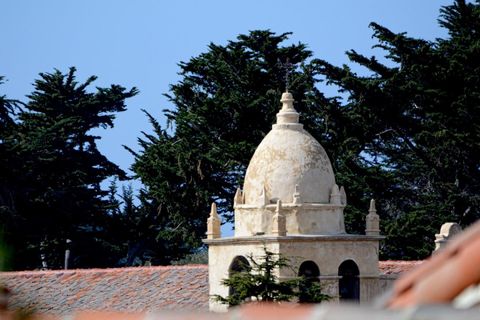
56	188
415	118
404	133
223	107
257	281
8	155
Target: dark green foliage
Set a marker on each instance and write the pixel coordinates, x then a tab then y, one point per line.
414	125
9	157
136	231
258	282
310	291
198	257
405	132
51	182
224	105
8	109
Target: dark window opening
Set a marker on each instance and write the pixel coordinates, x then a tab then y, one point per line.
311	281
239	264
349	283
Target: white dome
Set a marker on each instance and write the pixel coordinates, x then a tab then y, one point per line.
288	160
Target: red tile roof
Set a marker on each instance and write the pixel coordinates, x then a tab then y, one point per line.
137	289
396	267
122	289
442	277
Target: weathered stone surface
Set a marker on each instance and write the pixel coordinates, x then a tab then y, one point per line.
447	232
279	226
213	223
372	221
285	158
291	166
291	205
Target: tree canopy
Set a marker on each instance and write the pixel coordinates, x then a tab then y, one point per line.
52	170
223	106
403	132
414	118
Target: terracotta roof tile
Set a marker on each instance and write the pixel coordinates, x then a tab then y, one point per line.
137	289
444	275
122	289
396	267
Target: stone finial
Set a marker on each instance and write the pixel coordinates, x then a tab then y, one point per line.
287	114
296	196
343	196
335	195
373	208
238	199
279	223
373	221
263	197
213	223
447	232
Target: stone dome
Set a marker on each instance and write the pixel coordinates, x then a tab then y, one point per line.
288	161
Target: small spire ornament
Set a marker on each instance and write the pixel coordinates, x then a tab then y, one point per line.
297	199
335	195
238	199
279	223
372	227
213	223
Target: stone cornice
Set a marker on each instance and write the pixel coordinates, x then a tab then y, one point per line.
293	238
307	206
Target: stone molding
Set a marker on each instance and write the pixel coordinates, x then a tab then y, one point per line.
293	238
306	206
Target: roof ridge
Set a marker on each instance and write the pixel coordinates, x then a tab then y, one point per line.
106	270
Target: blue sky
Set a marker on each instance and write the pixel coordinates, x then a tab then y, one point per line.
139	43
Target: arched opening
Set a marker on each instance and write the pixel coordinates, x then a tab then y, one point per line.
311	282
239	264
309	270
349	283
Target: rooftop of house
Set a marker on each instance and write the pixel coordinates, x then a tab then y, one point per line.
137	289
396	267
134	289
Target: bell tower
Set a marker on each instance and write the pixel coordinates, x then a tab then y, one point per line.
291	204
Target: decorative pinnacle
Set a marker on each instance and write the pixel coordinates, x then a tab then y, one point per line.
287	102
238	199
263	200
213	223
279	224
288	114
296	195
213	210
335	197
343	195
372	207
278	209
372	223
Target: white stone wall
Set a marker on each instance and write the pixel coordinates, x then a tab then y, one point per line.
220	258
327	252
312	219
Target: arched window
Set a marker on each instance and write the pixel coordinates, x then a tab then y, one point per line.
309	270
239	264
349	283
